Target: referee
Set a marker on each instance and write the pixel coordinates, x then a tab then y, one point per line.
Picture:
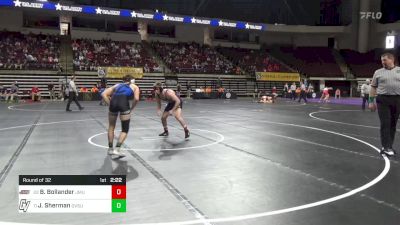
386	87
73	94
303	94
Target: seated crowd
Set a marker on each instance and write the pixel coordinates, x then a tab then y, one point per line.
91	54
20	51
28	51
13	93
253	60
194	58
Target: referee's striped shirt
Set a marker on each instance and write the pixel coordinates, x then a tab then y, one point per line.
387	82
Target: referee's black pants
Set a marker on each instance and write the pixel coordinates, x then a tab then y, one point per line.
364	100
293	95
389	111
303	95
73	97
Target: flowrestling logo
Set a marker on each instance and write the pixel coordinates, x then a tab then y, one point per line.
371	15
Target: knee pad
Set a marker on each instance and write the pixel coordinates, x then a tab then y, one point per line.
125	126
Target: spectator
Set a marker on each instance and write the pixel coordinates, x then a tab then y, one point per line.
18	64
186	58
253	60
337	93
24	51
30	58
303	94
14	88
51	91
90	54
293	91
256	92
285	90
365	89
3	92
274	93
76	63
106	61
101	89
310	88
35	93
157	68
83	90
310	91
221	91
188	89
146	68
178	90
94	89
238	71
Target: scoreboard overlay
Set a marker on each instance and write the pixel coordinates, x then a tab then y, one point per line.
72	194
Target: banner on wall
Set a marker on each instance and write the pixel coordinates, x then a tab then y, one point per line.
119	72
277	76
127	13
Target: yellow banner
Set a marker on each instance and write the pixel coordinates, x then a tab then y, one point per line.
119	72
277	76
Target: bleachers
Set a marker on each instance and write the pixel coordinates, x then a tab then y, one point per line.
28	51
238	84
193	58
362	64
91	54
312	61
199	64
88	78
84	79
27	80
254	60
234	83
